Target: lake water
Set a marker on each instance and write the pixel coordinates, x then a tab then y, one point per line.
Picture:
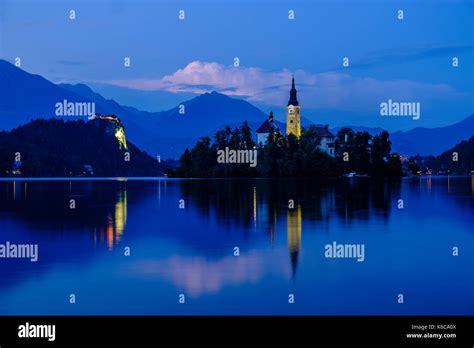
182	235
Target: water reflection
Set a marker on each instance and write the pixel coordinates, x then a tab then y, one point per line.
191	250
293	230
116	223
265	203
100	209
242	201
258	205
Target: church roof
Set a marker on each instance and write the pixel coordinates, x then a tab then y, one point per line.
266	127
323	132
293	99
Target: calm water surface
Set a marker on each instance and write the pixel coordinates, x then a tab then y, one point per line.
190	251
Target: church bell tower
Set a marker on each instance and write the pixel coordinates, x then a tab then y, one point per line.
293	125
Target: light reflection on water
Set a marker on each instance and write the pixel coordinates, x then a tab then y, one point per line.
280	228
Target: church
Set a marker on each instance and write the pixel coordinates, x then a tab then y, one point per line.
293	125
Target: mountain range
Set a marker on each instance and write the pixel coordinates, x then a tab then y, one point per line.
432	141
26	96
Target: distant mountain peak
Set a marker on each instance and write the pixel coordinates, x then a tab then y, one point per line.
432	141
79	86
213	94
27	96
82	90
8	69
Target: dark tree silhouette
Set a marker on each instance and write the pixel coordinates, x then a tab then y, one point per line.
54	147
291	156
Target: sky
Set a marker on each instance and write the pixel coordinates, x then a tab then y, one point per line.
173	60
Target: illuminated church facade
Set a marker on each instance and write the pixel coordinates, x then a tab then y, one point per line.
293	125
293	119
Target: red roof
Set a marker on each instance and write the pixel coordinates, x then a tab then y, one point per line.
323	132
266	127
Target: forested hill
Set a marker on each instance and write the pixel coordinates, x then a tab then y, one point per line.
53	147
458	160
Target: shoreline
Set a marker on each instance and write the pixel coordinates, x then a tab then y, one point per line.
160	178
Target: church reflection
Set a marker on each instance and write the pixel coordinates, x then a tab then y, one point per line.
293	233
262	206
318	203
246	211
193	247
293	227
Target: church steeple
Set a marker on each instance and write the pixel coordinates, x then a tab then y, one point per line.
293	100
293	113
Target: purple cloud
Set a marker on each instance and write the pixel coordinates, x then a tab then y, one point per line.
337	90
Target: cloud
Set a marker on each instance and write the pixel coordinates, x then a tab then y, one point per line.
402	55
332	89
198	275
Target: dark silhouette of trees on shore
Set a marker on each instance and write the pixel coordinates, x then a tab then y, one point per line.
458	160
291	157
366	154
54	147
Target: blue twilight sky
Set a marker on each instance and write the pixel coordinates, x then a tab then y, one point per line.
172	60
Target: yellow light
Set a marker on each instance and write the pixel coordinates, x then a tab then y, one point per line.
120	215
120	136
